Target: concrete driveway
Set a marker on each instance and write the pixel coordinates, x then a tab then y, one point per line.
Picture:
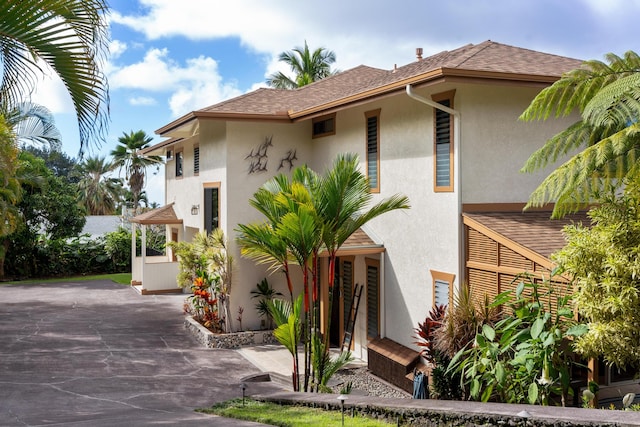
99	354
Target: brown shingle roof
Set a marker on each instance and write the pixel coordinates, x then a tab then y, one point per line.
488	60
533	230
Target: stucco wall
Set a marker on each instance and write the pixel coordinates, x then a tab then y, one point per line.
242	139
495	144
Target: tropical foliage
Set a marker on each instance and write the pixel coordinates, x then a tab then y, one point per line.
522	358
307	67
603	259
304	215
34	125
98	192
606	136
127	155
207	258
67	36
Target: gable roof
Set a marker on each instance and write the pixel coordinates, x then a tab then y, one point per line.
487	60
162	215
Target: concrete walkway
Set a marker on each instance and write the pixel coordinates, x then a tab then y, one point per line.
99	354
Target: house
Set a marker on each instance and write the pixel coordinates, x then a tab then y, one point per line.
442	130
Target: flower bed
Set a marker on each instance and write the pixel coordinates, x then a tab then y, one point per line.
230	340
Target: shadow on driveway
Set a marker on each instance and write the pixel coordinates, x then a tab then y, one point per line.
99	354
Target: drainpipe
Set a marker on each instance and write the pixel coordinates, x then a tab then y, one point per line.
456	175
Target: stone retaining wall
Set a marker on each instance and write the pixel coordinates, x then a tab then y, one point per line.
231	340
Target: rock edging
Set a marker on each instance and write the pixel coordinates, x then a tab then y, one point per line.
231	340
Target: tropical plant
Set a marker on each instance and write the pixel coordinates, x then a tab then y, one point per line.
603	260
607	134
304	215
34	124
307	67
10	190
98	192
288	317
425	332
127	155
522	357
208	256
265	293
202	304
68	36
58	162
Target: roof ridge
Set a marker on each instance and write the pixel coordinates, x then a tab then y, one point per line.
334	76
472	51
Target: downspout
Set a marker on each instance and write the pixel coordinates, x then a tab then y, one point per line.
456	174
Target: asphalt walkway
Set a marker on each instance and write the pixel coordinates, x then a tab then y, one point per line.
99	354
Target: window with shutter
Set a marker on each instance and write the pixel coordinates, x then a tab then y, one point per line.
196	160
373	298
324	126
443	144
347	288
442	287
373	149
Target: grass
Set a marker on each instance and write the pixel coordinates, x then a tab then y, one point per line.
287	416
121	278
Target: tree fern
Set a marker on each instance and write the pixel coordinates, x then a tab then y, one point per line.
607	96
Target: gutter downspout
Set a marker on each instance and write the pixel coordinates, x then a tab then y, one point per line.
456	175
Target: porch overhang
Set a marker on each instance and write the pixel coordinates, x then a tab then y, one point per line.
359	243
162	215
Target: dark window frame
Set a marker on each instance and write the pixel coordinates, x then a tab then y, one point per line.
372	148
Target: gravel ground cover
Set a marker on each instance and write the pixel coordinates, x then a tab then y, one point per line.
365	384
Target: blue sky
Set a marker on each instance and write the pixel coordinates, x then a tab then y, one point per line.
170	57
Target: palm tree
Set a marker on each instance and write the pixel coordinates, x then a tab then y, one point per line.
97	191
305	215
127	156
307	66
68	36
607	96
34	124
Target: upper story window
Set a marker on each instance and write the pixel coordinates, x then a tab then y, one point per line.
196	160
442	288
179	163
324	126
373	149
443	143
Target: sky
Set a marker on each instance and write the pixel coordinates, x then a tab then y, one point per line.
169	57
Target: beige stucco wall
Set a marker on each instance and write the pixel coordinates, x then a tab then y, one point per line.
495	144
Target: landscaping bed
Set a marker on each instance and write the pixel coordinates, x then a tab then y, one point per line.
229	340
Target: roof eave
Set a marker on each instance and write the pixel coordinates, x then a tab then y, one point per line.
430	76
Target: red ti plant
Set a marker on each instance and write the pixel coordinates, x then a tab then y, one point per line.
425	332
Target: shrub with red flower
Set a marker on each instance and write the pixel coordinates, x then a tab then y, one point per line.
202	305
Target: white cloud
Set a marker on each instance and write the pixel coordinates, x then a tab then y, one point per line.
194	85
142	101
117	48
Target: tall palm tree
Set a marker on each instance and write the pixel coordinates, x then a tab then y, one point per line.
127	156
607	135
97	191
68	36
307	67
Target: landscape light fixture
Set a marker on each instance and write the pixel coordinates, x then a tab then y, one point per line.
342	398
243	387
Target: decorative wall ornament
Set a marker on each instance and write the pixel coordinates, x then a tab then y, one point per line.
258	156
288	159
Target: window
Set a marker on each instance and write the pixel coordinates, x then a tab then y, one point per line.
179	160
373	149
373	298
346	290
196	160
442	287
443	143
211	206
324	126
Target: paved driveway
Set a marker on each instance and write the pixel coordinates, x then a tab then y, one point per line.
99	354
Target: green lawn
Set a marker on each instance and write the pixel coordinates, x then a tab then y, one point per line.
287	416
121	278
